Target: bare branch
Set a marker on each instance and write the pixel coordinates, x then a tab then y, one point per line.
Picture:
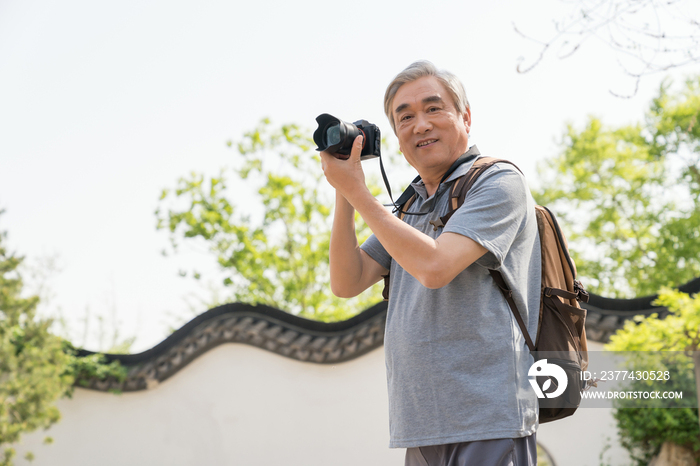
647	36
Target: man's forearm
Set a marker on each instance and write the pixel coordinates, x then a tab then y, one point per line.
433	262
408	246
345	255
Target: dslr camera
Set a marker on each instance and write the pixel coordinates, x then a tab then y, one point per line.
335	136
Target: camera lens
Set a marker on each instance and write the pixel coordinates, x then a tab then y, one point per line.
333	135
336	136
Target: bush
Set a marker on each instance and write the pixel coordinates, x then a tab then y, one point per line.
643	430
36	367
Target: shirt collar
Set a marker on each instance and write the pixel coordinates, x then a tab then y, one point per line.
419	186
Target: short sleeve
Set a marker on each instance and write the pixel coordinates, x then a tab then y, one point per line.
376	251
494	212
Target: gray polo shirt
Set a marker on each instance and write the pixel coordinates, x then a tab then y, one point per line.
456	359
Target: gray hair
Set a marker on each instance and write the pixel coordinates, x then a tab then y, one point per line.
418	70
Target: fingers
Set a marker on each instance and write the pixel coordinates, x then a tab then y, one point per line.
326	158
357	147
345	174
329	160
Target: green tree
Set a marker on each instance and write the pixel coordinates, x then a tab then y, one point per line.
644	429
36	367
33	363
629	197
278	257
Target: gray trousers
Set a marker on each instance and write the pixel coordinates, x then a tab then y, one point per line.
497	452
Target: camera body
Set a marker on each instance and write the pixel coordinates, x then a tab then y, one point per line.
336	137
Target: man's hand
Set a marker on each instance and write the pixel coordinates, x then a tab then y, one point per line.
346	176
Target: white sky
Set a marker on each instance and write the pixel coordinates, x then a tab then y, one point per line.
104	104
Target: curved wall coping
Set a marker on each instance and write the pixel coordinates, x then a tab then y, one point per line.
313	341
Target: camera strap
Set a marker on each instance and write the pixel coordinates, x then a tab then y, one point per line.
470	155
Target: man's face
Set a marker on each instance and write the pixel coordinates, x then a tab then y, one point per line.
431	132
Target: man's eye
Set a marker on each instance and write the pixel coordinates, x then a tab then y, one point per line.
433	109
405	117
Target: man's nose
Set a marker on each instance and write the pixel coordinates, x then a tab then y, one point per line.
423	124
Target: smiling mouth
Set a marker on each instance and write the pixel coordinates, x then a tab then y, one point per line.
425	143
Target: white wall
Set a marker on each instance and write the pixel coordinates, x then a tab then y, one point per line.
240	405
235	405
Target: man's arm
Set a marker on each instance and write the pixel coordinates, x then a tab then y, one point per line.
433	262
352	269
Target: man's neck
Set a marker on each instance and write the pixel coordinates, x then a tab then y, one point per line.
432	184
432	179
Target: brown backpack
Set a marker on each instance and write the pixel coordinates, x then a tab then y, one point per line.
561	335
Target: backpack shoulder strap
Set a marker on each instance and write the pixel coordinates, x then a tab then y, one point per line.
508	294
407	205
463	184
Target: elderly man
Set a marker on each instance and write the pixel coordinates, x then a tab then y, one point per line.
456	359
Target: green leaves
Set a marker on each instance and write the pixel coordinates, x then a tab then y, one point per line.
679	331
87	368
630	199
277	255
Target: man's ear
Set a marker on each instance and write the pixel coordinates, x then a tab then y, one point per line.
467	116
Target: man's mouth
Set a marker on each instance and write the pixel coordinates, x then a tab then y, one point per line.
425	143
